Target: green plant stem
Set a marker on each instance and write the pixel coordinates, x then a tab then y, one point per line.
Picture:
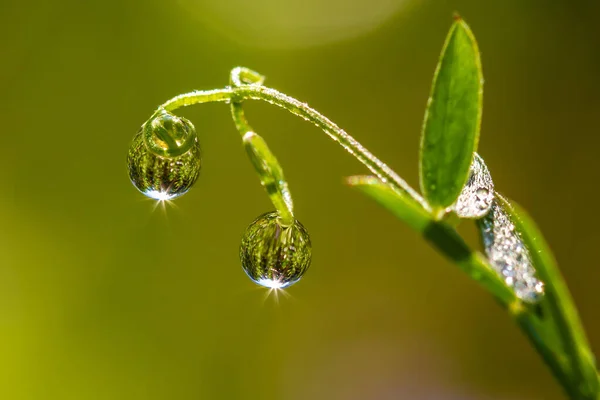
265	163
441	235
239	118
555	361
302	110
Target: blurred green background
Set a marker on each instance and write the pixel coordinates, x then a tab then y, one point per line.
103	298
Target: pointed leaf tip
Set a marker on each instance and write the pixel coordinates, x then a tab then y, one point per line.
452	120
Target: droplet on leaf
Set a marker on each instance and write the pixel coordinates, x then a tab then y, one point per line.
508	254
274	255
164	158
476	198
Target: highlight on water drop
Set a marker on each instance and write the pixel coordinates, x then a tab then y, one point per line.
164	158
275	255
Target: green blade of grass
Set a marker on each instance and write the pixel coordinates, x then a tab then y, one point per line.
452	120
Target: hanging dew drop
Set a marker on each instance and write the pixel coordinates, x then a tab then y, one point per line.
164	158
273	255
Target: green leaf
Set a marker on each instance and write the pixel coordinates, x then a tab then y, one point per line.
452	120
441	235
557	303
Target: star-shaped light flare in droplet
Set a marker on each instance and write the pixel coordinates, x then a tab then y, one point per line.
275	287
159	195
162	198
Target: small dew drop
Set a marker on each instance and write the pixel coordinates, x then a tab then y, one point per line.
164	159
275	256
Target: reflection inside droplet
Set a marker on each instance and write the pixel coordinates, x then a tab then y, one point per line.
163	173
273	255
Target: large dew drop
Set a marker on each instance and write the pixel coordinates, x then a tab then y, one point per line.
164	158
508	254
477	197
273	255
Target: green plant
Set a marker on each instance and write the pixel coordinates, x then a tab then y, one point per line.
518	268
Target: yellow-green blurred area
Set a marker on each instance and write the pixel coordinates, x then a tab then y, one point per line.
105	296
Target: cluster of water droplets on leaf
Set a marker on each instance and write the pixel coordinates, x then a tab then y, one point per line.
274	255
508	254
164	158
477	197
506	251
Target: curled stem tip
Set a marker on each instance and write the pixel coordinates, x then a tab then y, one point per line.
243	76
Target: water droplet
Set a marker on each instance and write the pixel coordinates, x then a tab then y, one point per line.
508	254
273	255
164	158
477	196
